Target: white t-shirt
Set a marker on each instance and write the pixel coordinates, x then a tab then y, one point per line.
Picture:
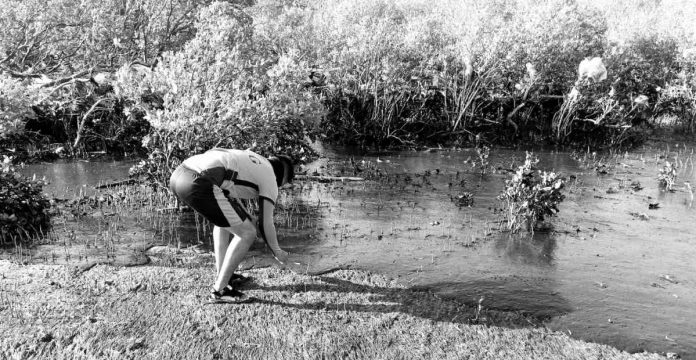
242	173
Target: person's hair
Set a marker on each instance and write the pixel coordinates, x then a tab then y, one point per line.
280	163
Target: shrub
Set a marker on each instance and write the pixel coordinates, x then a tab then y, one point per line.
65	36
667	176
465	199
383	86
619	110
60	44
552	36
15	106
483	152
531	196
678	98
643	67
224	89
389	72
24	213
414	72
88	116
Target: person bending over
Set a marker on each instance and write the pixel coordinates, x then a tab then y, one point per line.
212	184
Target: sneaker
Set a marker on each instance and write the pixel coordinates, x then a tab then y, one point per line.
228	295
237	280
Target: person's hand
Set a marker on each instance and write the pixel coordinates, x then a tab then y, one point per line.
281	256
290	261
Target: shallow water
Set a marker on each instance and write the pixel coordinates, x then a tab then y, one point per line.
611	270
68	178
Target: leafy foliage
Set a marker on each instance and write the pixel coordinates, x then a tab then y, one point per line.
619	109
483	152
65	36
24	213
551	36
222	90
678	98
531	196
15	106
408	72
667	176
61	46
465	199
90	116
386	72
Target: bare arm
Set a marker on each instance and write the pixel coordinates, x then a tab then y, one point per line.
268	230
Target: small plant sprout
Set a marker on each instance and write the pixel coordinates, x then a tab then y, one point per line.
691	192
483	152
667	176
531	196
465	199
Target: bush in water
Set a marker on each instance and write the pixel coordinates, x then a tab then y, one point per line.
24	213
224	89
530	196
667	176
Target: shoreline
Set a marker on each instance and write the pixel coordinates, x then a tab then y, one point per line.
156	311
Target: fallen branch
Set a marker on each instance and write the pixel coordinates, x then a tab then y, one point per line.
116	183
512	113
81	125
322	178
16	74
74	77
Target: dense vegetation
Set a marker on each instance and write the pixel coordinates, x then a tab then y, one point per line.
162	80
169	78
25	209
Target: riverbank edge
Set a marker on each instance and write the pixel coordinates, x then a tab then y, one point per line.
155	311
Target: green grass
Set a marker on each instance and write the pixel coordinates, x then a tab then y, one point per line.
57	312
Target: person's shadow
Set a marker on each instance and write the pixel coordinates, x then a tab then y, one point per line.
331	292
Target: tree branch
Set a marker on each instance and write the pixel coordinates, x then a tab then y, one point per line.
81	126
67	79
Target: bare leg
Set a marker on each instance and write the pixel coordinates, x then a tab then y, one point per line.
221	240
245	234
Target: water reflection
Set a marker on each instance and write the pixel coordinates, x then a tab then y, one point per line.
538	297
65	178
536	249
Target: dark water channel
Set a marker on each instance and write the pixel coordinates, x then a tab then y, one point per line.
611	270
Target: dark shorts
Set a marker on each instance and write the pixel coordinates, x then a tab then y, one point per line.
207	199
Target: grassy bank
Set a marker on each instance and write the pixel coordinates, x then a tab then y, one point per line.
59	312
